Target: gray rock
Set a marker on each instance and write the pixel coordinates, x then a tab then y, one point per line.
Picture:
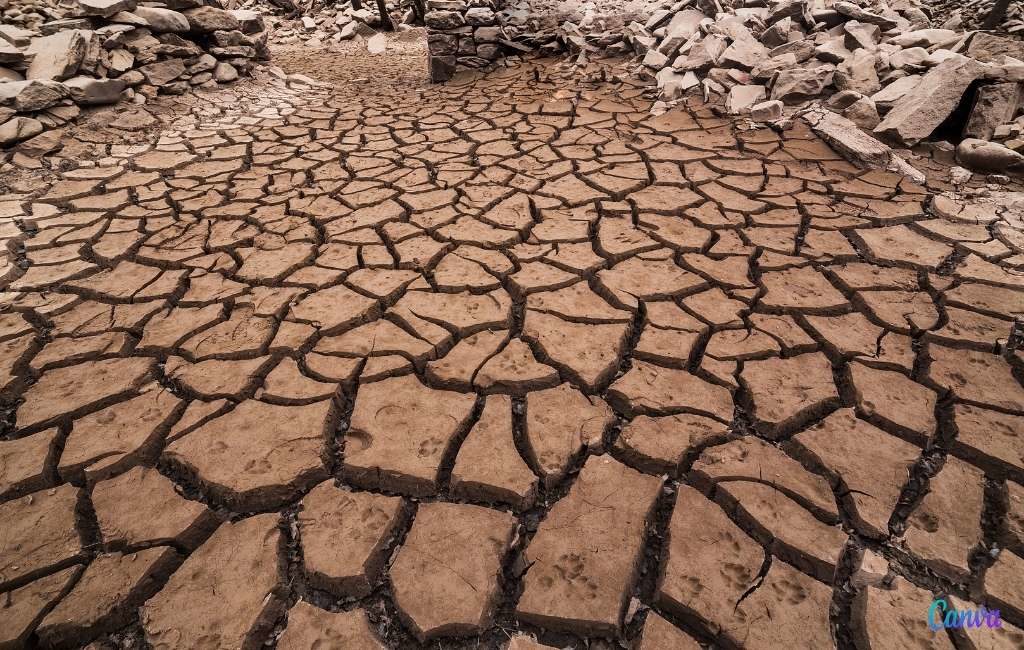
742	97
994	105
442	68
224	73
988	156
57	56
103	8
768	111
19	128
799	84
480	17
250	22
210	19
916	115
163	20
162	73
444	20
90	91
31	94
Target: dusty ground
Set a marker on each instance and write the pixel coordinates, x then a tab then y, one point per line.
505	357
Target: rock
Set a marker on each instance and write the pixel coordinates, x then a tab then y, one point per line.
913	57
210	19
12	55
766	111
480	17
702	55
989	47
224	72
798	84
994	105
863	113
925	38
250	22
90	91
444	20
163	20
19	128
857	13
920	111
681	28
104	8
858	73
743	54
988	156
887	97
163	72
861	35
32	94
312	627
741	98
377	44
58	56
16	36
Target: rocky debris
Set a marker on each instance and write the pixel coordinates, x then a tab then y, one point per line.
55	56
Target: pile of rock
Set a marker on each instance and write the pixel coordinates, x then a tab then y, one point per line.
102	51
887	70
338	22
971	14
463	34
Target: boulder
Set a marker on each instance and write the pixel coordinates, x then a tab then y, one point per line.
31	94
859	14
442	68
58	56
863	113
163	20
917	114
743	54
702	56
210	19
444	20
19	128
858	34
224	73
988	156
480	17
994	105
853	144
162	72
926	38
742	97
989	47
90	91
799	84
250	22
858	73
913	57
103	8
766	111
680	29
886	97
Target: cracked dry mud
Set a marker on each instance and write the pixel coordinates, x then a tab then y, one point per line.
510	363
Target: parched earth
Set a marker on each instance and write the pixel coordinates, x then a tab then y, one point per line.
505	358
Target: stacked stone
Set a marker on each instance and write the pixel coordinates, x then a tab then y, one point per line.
103	51
462	34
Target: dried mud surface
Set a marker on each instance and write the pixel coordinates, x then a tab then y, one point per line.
501	363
